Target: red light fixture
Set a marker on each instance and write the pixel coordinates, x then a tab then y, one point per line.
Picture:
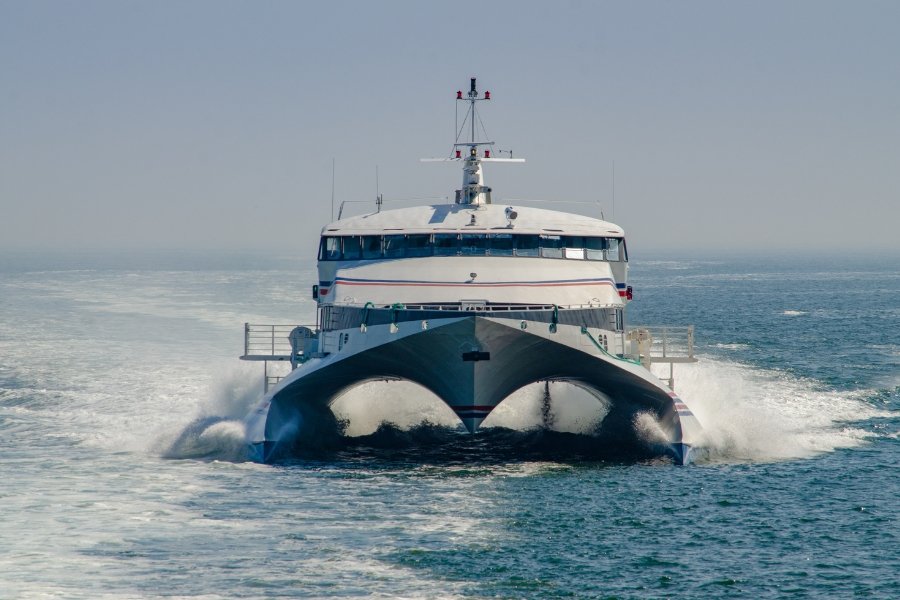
487	95
459	94
459	154
487	153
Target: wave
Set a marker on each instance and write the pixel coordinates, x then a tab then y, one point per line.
753	414
748	414
217	432
735	346
211	438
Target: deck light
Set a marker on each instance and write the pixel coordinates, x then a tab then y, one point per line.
487	95
459	94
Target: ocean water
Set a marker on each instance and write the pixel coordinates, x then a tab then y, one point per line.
123	471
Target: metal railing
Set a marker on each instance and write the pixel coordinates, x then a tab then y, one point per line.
269	340
458	306
662	344
665	342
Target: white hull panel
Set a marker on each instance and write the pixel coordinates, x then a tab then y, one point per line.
499	280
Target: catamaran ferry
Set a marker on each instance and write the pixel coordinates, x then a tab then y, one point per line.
472	301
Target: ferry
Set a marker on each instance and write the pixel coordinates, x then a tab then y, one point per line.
471	300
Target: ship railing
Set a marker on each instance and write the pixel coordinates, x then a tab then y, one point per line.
268	342
664	343
479	306
272	343
661	344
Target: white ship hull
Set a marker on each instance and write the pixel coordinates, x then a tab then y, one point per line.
472	362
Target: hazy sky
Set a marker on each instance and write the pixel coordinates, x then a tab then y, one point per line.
732	125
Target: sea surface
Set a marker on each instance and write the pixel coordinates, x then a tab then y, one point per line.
124	475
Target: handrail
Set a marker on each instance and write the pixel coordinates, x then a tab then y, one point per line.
457	306
269	340
665	341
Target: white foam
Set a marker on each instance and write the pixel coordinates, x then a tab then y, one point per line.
649	429
747	413
758	415
794	313
402	403
732	346
572	409
235	391
405	405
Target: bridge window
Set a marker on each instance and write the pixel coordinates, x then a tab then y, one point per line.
330	248
374	247
612	253
574	247
501	244
394	246
418	244
594	248
371	247
473	244
446	244
551	246
351	248
527	245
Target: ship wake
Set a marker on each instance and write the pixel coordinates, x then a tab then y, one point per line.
756	415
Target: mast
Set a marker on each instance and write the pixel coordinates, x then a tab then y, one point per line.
473	191
473	97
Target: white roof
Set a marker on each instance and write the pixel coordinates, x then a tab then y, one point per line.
489	218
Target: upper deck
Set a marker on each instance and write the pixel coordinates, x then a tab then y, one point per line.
450	253
484	218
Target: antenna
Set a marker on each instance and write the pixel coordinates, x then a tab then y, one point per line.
379	200
332	188
614	191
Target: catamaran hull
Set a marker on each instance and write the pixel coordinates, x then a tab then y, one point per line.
472	363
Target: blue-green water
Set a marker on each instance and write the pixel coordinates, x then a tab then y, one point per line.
108	492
